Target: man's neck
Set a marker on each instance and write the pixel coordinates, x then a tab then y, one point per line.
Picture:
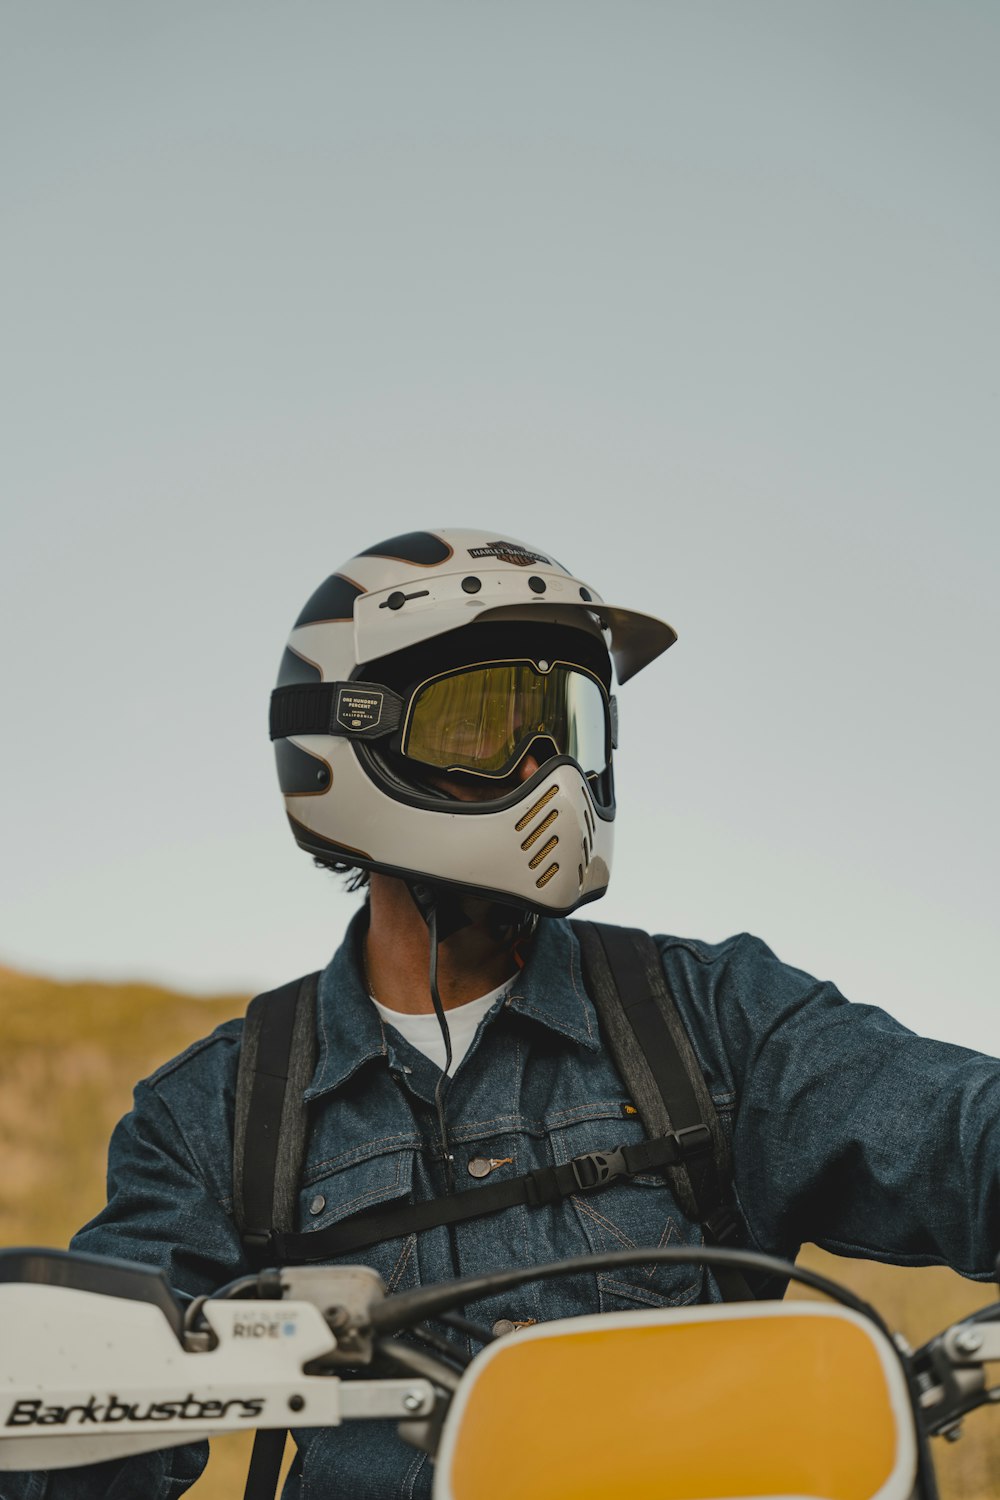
397	955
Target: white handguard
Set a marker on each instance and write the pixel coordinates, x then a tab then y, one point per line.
97	1362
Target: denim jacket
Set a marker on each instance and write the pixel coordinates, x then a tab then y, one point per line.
846	1129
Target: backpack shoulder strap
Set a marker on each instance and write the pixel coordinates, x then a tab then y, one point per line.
277	1061
653	1053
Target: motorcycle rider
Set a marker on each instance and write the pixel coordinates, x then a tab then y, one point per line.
444	726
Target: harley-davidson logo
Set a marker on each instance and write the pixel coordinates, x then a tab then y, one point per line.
510	552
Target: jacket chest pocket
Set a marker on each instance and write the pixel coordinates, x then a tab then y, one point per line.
336	1194
630	1213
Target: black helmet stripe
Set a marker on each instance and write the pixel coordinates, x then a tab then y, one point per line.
333	600
299	773
422	548
295	670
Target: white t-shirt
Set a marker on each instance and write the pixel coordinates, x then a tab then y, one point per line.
424	1031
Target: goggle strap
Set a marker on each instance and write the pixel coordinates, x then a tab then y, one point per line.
353	710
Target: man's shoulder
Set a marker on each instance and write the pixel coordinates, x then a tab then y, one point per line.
215	1055
714	986
701	967
729	994
701	973
742	964
740	977
741	946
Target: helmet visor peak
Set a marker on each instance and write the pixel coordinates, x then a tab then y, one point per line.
484	718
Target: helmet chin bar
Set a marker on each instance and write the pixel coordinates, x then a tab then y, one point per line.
545	846
459	906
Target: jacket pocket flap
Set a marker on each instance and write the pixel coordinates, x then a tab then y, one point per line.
341	1193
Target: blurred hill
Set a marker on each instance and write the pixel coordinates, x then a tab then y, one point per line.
69	1055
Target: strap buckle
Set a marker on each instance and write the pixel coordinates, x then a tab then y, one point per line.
723	1226
596	1168
258	1245
693	1139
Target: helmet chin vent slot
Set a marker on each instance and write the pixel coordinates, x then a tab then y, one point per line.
533	811
535	824
543	853
536	833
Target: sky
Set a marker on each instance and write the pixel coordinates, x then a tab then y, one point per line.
700	298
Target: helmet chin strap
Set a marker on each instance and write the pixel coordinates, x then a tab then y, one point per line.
455	910
428	901
441	902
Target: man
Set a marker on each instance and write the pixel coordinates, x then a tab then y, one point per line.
444	725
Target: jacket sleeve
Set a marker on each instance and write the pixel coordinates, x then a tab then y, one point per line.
153	1476
849	1129
169	1188
163	1209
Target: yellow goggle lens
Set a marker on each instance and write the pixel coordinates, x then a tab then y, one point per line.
484	718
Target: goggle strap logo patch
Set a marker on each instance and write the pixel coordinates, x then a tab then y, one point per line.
366	710
362	709
359	708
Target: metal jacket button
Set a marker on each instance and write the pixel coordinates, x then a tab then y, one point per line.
482	1166
318	1204
511	1325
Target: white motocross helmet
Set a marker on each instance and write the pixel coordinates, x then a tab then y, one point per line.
445	713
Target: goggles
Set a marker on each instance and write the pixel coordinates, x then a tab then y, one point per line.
484	719
481	719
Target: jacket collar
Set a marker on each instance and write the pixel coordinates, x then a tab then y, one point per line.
548	991
550	988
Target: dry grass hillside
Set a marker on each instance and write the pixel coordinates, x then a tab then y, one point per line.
69	1054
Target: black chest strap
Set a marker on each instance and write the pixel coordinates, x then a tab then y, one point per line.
587	1173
